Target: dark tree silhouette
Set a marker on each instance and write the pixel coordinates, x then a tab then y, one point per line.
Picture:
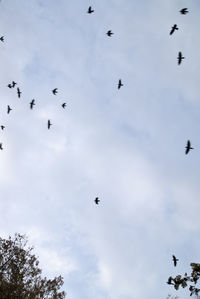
20	277
189	281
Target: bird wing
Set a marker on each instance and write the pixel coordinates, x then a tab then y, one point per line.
187	150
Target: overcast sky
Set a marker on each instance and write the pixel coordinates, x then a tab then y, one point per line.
125	146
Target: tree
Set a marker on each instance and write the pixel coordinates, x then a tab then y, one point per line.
20	277
189	281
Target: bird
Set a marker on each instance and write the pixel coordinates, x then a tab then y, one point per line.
32	103
188	147
174	260
169	280
120	83
49	124
2	38
180	57
90	10
18	92
8	109
2	127
64	105
109	33
97	200
183	11
10	85
173	29
55	91
13	83
1	148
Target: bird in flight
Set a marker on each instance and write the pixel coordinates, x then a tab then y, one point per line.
90	10
97	200
13	83
109	33
18	92
188	147
174	260
49	124
2	127
2	38
8	109
169	280
120	84
1	148
55	90
180	57
32	103
10	85
183	11
64	105
173	29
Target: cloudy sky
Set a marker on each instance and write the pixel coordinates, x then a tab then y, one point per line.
125	146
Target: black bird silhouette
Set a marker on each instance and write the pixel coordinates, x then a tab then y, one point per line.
8	109
2	38
18	92
64	105
32	103
97	200
90	10
170	280
120	84
173	29
13	83
180	57
10	85
1	148
55	91
2	127
188	147
49	124
174	260
109	33
183	11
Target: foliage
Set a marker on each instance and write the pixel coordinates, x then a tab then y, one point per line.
20	277
189	281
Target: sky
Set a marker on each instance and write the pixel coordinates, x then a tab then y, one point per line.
125	146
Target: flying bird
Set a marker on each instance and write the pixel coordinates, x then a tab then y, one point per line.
188	147
90	10
2	127
173	29
8	109
2	38
180	57
18	92
55	90
13	83
64	105
174	260
120	84
1	148
109	33
183	11
49	124
32	103
169	280
10	85
97	200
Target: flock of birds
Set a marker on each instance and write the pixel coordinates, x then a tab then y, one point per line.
32	103
120	84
